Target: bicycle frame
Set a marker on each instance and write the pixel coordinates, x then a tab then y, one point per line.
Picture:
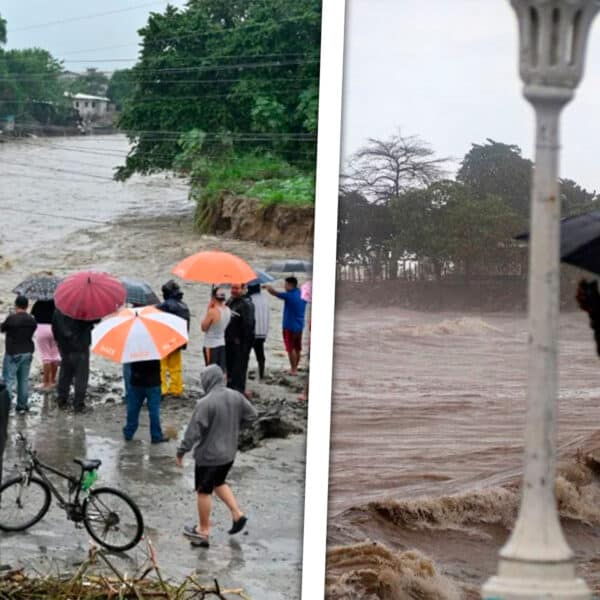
35	465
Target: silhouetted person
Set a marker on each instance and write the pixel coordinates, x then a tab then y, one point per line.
73	338
238	337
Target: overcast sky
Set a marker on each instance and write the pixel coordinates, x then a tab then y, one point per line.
85	40
446	70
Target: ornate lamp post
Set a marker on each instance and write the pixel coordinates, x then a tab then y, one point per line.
537	562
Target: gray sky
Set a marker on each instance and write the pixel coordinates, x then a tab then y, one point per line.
446	70
73	40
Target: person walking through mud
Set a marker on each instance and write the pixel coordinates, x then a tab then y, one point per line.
238	337
261	325
293	320
43	311
213	434
73	338
143	385
19	328
214	324
171	367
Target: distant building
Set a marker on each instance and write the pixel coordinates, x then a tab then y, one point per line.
91	108
69	76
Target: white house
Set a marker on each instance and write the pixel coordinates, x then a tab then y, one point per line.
91	108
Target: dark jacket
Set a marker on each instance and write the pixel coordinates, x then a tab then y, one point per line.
19	329
241	326
145	373
176	306
71	335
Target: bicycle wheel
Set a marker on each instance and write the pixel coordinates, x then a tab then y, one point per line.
113	519
23	504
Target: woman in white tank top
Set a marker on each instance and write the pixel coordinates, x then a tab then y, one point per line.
214	324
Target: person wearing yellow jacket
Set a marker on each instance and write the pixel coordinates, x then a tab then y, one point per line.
171	367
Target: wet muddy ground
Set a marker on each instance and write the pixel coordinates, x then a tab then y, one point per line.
63	223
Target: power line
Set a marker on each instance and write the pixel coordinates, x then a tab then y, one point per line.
122	156
200	68
225	56
199	35
83	18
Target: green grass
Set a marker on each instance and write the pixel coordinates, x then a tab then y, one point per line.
266	178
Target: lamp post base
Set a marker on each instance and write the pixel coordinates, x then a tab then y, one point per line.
523	580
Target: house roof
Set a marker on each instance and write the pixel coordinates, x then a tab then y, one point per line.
88	97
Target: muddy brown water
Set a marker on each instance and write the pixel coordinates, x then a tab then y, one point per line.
61	212
426	449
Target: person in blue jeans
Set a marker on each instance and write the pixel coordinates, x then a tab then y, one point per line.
19	328
143	384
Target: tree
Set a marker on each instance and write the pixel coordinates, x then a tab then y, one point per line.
383	169
244	71
575	199
2	30
121	88
500	170
365	231
450	225
29	76
92	82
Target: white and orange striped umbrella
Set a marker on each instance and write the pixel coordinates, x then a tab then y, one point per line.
138	334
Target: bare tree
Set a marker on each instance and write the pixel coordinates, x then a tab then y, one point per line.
383	169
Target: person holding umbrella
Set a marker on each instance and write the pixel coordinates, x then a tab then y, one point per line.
73	338
172	365
140	338
213	325
81	300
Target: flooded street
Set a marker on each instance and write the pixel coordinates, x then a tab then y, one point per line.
63	213
427	447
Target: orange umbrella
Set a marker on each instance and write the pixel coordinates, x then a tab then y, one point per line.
138	334
215	267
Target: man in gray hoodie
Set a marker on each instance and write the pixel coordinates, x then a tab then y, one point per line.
213	436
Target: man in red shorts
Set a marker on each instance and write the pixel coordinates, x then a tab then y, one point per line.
293	320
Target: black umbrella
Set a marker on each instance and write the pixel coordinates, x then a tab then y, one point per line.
38	287
139	292
579	241
290	266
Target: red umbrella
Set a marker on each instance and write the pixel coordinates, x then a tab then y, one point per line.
89	295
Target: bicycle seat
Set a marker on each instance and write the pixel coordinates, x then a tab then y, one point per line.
87	465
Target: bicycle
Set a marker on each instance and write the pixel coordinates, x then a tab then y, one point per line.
95	508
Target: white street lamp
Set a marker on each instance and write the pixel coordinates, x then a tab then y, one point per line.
537	562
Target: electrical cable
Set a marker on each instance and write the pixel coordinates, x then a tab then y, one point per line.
86	17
